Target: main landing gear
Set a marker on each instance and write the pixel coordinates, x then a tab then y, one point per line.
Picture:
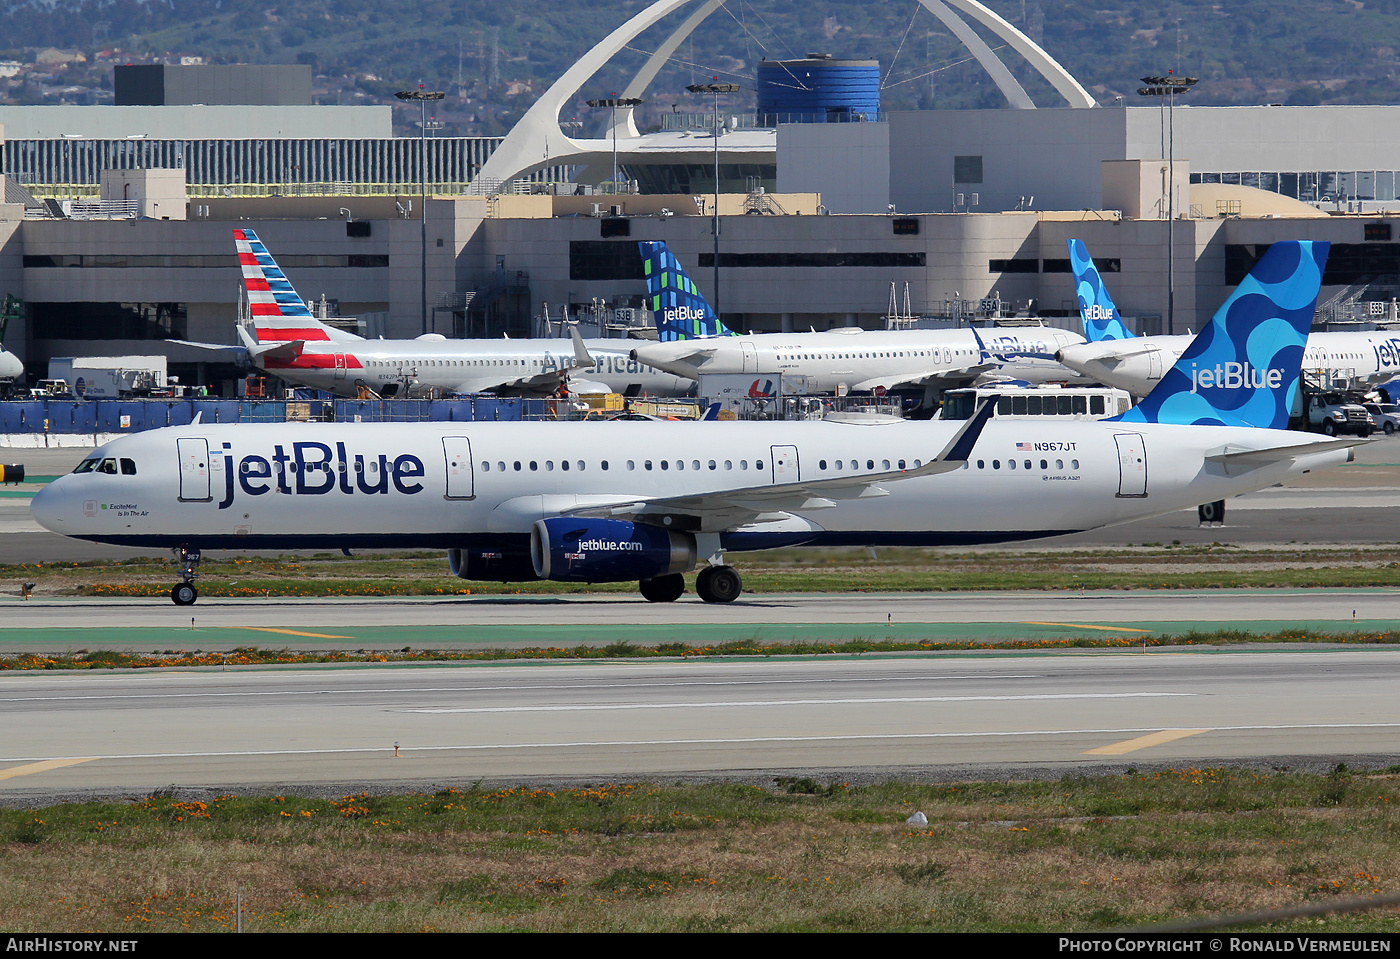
663	589
715	584
184	593
718	584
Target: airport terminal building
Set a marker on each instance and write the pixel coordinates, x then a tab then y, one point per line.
954	207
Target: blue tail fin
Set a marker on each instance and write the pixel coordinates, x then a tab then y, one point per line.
1102	320
1243	368
681	312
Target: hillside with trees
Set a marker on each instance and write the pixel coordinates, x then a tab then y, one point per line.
494	59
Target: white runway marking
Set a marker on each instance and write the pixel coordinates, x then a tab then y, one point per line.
782	702
580	744
568	687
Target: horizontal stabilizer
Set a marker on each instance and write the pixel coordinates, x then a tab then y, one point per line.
1240	460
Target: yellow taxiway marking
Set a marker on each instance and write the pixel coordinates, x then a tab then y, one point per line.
1111	629
290	632
29	769
1142	742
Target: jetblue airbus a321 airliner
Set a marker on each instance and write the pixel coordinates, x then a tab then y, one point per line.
649	501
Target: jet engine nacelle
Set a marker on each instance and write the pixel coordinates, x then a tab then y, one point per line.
607	550
496	566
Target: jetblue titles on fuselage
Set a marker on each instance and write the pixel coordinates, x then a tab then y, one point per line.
313	469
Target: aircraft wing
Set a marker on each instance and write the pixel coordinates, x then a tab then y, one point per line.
726	508
941	375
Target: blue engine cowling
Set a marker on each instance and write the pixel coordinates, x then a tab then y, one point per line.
495	566
607	550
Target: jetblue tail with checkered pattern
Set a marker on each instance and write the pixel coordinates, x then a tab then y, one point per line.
681	312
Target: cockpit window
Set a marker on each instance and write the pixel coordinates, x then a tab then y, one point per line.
87	465
128	467
108	465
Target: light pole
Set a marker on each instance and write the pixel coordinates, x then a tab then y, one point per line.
1168	87
612	103
422	96
715	89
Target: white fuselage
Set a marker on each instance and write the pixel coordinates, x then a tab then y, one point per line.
1138	364
469	366
458	484
856	359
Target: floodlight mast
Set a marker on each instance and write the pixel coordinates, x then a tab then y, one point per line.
423	97
1168	88
612	103
715	89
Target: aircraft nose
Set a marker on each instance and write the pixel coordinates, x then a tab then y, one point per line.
48	507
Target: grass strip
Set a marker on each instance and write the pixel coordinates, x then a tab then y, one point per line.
261	656
788	854
1151	566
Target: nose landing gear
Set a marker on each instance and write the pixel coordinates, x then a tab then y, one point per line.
184	593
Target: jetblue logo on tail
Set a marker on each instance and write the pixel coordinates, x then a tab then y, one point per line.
1243	368
681	312
1102	320
1235	376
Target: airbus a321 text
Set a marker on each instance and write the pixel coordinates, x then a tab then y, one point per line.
650	501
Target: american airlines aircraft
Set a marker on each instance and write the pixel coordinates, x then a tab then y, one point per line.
1115	357
611	502
289	342
693	341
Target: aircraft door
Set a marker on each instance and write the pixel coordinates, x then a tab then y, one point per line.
340	366
1154	364
750	356
1132	464
785	467
457	457
194	469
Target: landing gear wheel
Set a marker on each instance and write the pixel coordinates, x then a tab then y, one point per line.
663	589
719	584
183	594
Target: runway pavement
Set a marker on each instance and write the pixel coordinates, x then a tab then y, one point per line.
934	715
858	720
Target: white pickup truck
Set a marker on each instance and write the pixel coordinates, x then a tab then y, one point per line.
1333	413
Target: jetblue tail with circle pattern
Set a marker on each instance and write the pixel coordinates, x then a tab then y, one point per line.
1243	368
681	312
1102	320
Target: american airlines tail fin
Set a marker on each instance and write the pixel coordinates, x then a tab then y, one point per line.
279	314
1243	368
1102	320
681	312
